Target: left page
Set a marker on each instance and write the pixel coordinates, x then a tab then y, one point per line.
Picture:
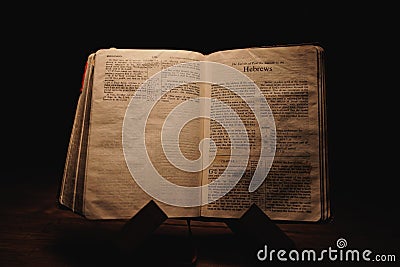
110	190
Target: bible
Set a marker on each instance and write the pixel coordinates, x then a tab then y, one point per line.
202	135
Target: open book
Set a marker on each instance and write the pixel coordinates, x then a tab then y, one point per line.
201	135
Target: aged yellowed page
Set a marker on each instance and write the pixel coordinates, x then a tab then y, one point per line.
110	190
288	78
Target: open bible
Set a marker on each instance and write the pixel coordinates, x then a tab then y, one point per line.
201	135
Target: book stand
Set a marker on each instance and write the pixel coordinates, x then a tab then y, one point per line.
254	227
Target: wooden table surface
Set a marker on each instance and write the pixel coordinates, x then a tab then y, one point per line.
34	231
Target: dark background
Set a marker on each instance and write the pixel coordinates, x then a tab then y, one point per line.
44	50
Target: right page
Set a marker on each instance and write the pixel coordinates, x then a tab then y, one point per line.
291	80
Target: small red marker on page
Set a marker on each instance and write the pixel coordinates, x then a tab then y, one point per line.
83	77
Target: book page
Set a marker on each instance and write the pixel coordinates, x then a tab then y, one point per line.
111	190
288	78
